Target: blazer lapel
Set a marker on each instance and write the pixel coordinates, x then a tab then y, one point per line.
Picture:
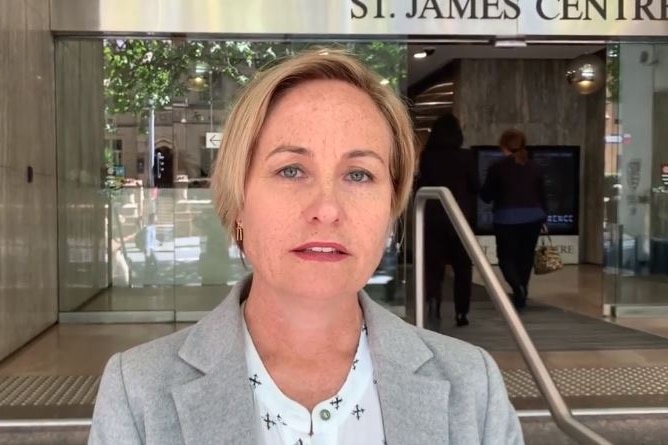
414	406
217	407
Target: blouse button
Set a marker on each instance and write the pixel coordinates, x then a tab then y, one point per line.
325	415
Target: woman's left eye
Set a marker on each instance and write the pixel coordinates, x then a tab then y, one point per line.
360	176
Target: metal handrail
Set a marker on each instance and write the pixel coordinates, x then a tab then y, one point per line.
45	423
557	406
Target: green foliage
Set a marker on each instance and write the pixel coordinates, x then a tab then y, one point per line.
387	58
141	73
613	73
144	73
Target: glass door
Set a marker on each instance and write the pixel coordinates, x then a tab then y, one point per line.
637	202
165	104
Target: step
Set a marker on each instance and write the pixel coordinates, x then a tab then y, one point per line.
45	432
638	426
635	426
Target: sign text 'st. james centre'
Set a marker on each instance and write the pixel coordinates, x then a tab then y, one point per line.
365	18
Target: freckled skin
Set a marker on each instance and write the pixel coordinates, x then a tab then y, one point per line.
324	203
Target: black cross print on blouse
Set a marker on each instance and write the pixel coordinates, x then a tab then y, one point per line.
268	421
365	329
336	402
355	364
280	420
301	442
254	381
357	412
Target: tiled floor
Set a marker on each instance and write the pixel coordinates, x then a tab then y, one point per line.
82	350
580	289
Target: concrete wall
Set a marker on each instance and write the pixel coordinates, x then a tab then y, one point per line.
28	214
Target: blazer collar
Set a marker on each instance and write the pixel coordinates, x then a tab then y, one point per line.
414	404
218	407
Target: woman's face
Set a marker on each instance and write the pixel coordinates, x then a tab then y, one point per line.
318	193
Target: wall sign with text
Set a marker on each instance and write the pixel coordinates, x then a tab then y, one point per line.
549	10
365	18
568	247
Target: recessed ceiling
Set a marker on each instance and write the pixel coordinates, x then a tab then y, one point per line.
419	69
438	98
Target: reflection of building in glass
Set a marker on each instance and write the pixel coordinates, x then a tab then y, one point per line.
191	86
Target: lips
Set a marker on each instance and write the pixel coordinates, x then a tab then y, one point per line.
322	248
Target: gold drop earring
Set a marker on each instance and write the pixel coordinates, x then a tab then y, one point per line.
240	232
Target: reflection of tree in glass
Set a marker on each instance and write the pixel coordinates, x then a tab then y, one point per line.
143	72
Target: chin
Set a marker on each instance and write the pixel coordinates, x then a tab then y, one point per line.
322	284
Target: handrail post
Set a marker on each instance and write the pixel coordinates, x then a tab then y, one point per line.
560	411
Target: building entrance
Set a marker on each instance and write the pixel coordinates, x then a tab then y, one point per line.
170	77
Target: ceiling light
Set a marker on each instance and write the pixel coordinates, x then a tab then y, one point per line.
384	82
424	53
510	43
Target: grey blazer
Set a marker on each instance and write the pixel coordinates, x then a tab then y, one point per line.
191	387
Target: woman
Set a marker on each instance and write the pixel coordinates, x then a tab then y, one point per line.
516	186
316	164
443	163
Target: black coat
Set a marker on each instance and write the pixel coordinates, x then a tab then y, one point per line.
511	185
456	170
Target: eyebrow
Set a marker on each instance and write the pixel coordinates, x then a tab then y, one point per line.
306	152
290	149
364	153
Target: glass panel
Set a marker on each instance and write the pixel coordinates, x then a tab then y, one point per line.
83	204
165	103
642	237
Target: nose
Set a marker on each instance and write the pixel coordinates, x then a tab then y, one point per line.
324	205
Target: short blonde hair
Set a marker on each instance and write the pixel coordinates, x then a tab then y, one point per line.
251	109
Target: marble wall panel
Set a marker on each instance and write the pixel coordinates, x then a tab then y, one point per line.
532	95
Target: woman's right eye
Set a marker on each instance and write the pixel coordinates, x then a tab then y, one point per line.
290	172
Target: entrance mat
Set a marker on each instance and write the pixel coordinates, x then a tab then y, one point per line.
550	328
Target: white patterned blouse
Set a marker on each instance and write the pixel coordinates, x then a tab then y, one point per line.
352	417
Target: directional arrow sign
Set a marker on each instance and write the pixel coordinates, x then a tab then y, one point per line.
213	140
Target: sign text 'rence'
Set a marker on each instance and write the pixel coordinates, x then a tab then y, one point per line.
613	10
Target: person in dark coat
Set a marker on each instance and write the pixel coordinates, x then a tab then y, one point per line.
516	186
444	163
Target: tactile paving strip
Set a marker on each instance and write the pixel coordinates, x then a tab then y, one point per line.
593	382
48	390
572	382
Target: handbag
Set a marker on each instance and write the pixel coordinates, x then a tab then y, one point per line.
547	258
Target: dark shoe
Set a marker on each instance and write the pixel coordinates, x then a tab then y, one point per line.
461	320
520	298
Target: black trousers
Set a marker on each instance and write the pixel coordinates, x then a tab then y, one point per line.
515	249
442	246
